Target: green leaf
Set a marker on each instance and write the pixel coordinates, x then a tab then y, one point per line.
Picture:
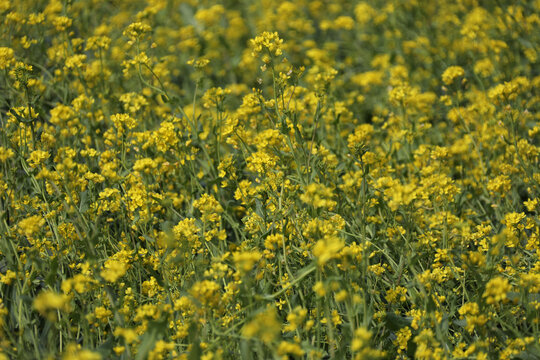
396	322
193	335
245	351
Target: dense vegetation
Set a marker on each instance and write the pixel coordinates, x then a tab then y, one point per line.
269	179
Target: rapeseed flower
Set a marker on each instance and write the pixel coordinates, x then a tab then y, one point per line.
497	290
269	180
47	303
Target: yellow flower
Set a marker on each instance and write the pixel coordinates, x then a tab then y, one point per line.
531	282
129	335
81	283
31	225
6	153
400	94
37	157
451	73
268	44
113	270
285	348
427	346
471	313
214	97
76	61
274	241
118	350
364	12
500	185
136	31
122	121
245	260
396	295
261	162
160	350
403	336
61	23
319	289
8	277
74	352
344	22
295	319
48	302
98	42
513	220
150	287
133	102
209	207
206	292
496	290
264	326
327	249
361	347
199	63
7	57
484	67
102	314
319	196
186	231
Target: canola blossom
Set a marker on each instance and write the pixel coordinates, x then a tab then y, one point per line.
267	179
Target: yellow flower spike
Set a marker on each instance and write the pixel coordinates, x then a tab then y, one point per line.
113	270
319	196
285	348
327	249
7	57
403	336
497	290
62	23
246	260
123	121
31	225
129	335
200	63
37	157
266	45
136	31
451	73
209	207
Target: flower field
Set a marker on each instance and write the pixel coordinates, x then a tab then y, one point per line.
321	179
